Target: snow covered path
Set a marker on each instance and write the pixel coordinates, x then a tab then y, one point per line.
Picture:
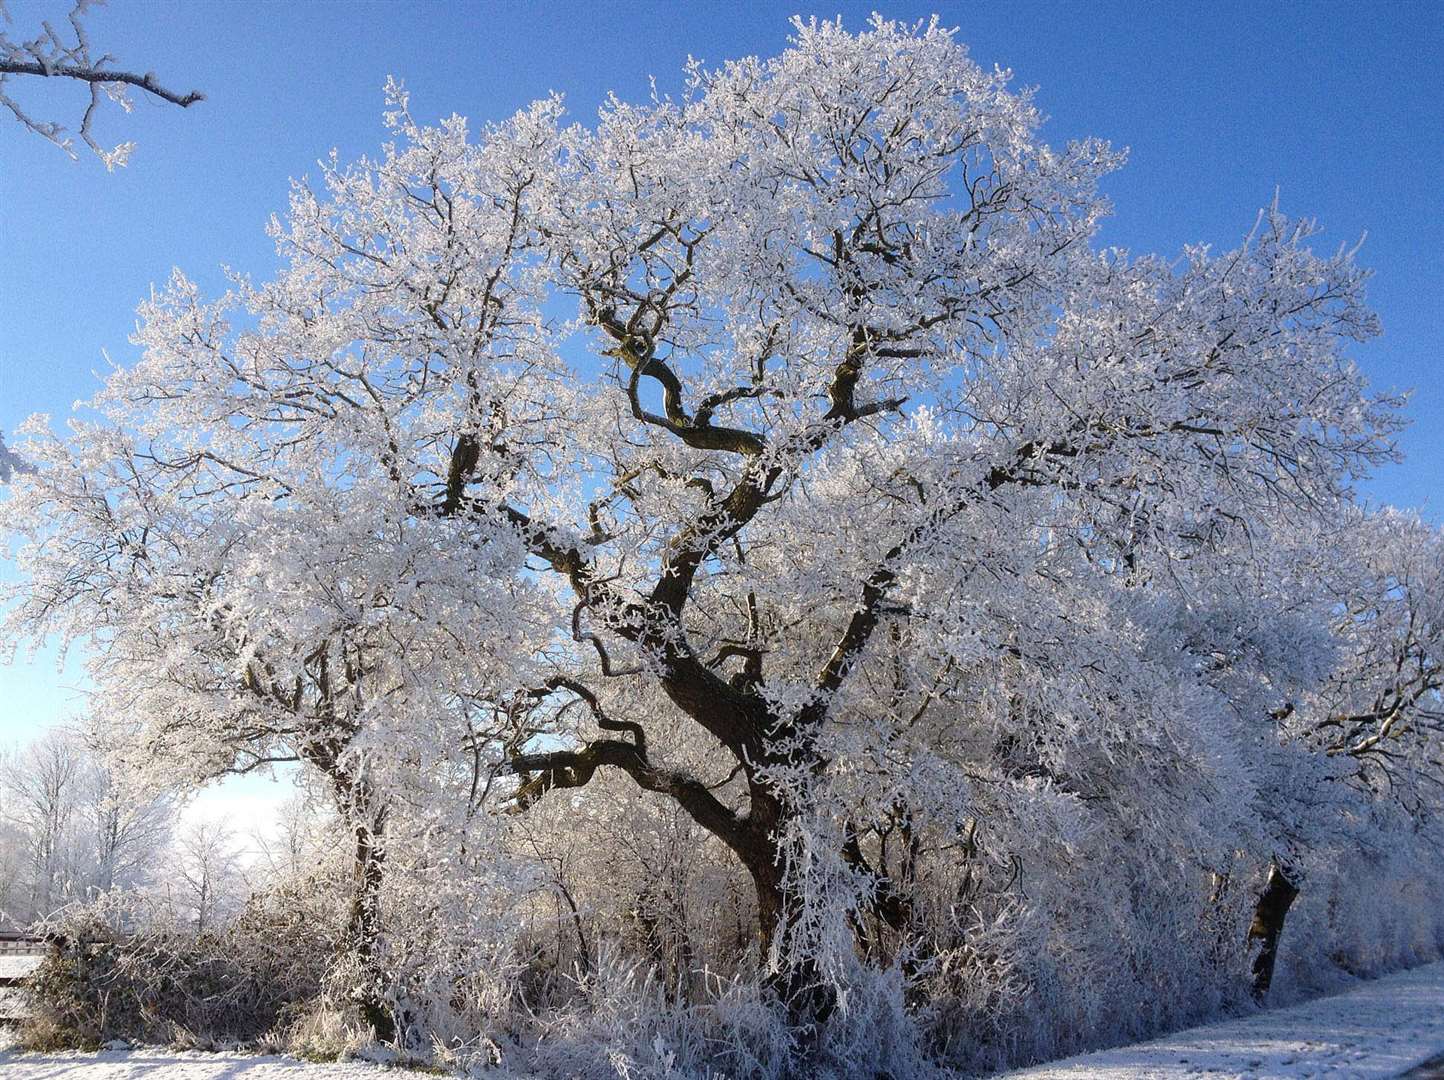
13	967
1382	1029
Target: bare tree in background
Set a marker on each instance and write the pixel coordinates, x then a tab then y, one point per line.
41	790
301	834
126	834
209	868
53	54
68	831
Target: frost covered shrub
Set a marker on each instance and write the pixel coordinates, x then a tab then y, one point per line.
449	957
320	1031
153	987
622	1022
64	1011
1032	946
1363	910
640	877
125	967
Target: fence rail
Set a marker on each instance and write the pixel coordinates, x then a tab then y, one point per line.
19	944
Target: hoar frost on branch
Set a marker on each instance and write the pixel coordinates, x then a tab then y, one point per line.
864	513
53	53
10	463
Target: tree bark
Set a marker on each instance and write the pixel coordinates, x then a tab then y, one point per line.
796	981
364	925
1267	927
358	807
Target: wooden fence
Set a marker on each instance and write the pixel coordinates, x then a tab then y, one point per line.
13	943
20	954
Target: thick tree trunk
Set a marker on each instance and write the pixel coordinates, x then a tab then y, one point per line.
360	809
792	975
364	925
1273	905
367	820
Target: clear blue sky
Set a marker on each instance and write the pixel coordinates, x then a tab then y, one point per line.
1340	105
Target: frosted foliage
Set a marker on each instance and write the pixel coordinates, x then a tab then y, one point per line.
757	548
69	830
9	462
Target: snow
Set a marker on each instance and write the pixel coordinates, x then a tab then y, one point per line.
1381	1029
12	967
185	1065
17	967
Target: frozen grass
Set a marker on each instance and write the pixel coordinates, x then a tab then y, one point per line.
1381	1029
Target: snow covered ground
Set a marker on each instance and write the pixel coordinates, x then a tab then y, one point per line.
1382	1029
178	1065
12	1002
17	966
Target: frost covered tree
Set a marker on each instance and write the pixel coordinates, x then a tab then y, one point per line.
69	831
41	797
1376	720
10	463
205	675
68	55
209	878
787	451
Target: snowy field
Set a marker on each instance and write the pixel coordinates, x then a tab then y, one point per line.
17	966
1381	1030
12	1003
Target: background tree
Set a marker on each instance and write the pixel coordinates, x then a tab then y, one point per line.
41	795
1378	717
71	831
209	880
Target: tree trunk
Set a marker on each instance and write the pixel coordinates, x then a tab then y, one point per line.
358	806
364	925
1267	927
792	977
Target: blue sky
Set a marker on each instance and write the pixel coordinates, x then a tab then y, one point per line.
1336	104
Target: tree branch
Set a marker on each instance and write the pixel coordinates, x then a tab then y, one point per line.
575	768
91	74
